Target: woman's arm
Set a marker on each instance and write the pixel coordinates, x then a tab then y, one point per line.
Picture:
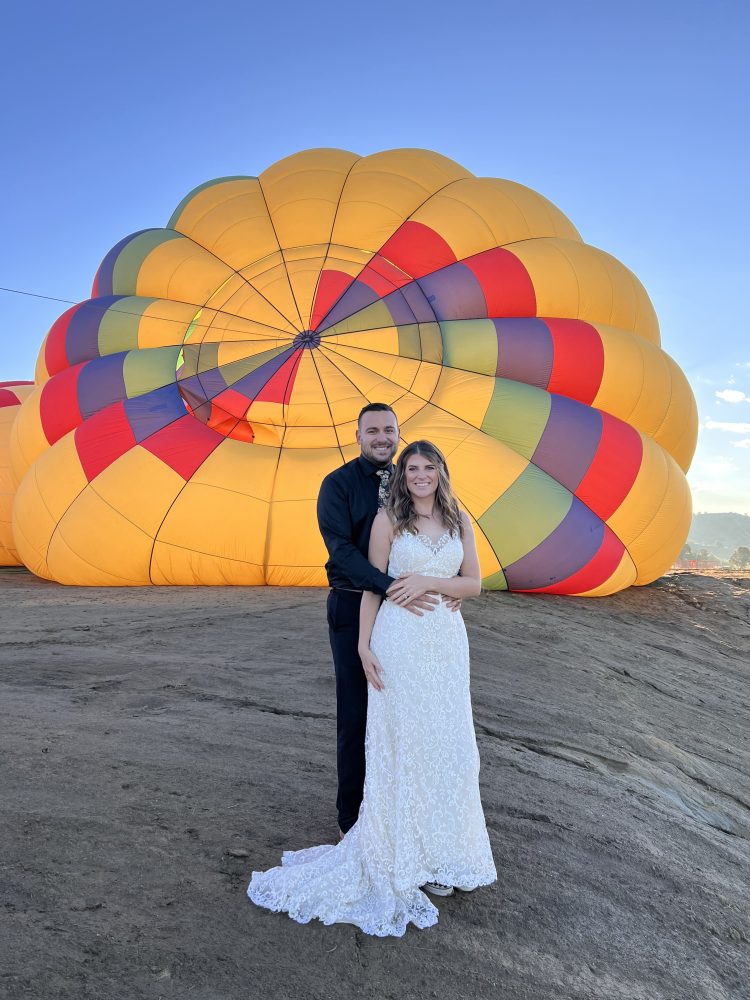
467	584
381	538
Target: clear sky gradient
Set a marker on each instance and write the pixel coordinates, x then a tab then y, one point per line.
632	118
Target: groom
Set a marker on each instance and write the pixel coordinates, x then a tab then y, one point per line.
348	501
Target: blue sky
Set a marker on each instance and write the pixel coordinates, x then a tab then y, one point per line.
631	118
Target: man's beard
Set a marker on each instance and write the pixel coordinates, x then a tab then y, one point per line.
377	460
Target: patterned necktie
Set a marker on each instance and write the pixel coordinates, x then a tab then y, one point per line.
384	486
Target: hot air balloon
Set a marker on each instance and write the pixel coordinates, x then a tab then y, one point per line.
187	412
12	394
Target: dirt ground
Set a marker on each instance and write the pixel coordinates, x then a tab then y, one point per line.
160	744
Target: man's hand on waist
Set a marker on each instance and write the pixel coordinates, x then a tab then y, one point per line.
418	606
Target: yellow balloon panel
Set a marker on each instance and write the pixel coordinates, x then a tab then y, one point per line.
229	218
274	287
488	561
223	523
44	496
293	537
302	193
344	399
266	298
580	282
384	189
26	437
177	269
105	542
12	395
163	323
642	385
32	527
660	544
292	520
71	566
175	565
303	280
480	213
464	394
119	485
40	369
654	518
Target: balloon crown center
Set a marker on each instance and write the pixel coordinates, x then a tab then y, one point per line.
307	339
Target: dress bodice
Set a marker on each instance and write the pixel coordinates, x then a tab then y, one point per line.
419	554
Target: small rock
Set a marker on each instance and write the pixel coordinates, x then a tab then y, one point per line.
238	852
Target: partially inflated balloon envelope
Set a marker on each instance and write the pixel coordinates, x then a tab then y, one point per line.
12	394
187	413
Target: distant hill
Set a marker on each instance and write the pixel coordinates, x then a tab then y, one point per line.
721	534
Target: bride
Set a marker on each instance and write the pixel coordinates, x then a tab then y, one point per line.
420	825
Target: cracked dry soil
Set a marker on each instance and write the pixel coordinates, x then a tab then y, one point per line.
160	744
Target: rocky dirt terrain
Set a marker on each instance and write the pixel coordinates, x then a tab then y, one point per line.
160	744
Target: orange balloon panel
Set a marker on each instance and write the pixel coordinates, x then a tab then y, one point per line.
188	411
12	394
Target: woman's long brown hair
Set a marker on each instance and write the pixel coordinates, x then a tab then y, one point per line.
400	504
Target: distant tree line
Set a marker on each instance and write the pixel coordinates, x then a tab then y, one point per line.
739	559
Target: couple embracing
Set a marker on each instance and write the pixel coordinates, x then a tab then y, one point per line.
402	557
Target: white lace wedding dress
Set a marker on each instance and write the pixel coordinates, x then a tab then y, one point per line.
421	819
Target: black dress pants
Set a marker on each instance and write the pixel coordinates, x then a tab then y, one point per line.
351	703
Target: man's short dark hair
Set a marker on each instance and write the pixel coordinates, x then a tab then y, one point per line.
375	408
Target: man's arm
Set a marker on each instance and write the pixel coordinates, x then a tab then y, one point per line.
335	523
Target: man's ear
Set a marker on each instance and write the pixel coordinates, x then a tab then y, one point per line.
357	436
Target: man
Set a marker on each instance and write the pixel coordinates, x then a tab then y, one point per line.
347	504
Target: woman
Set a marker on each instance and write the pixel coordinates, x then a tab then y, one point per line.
421	822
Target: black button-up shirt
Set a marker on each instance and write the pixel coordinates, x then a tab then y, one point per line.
347	505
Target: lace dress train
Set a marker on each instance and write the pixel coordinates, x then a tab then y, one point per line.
421	818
